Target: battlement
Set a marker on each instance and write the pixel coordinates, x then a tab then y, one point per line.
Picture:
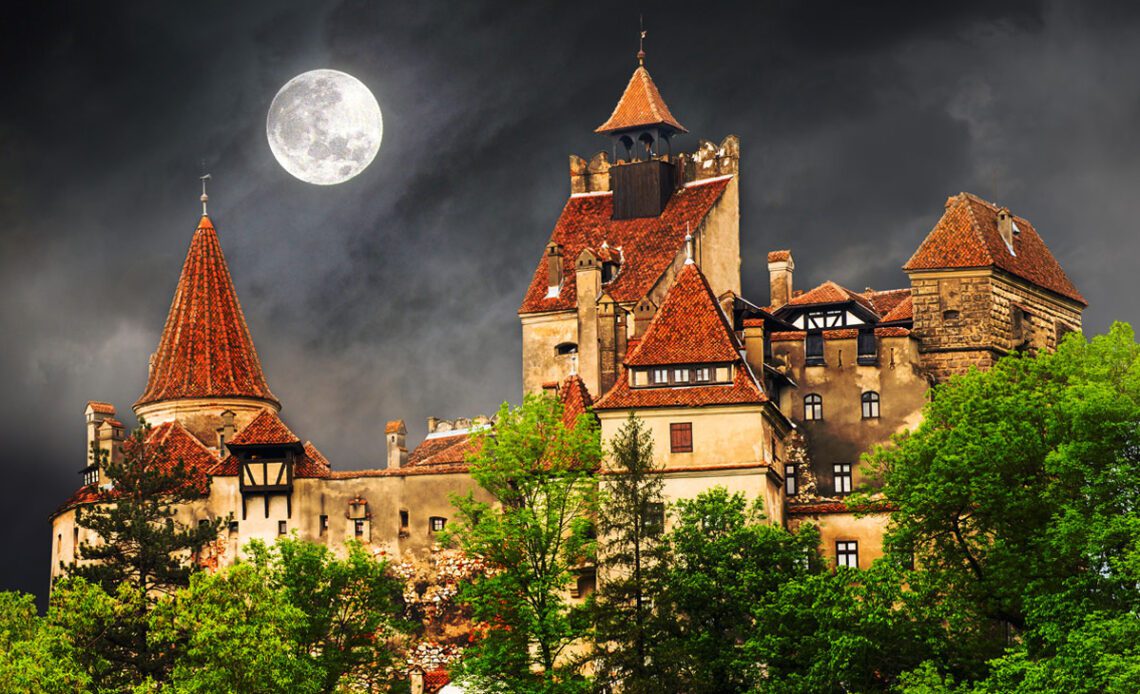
460	425
707	161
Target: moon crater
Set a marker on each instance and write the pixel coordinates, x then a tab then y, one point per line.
324	127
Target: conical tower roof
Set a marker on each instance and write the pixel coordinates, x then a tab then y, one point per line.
206	350
640	106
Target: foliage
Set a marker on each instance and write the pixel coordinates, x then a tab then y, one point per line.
631	559
726	565
541	474
36	656
142	552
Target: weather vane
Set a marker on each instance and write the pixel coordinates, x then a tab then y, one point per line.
641	40
205	198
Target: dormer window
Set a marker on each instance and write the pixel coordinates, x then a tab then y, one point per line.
704	374
680	375
609	271
660	376
820	320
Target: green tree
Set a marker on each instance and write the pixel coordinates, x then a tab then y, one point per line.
630	562
725	568
541	474
142	552
1019	499
36	656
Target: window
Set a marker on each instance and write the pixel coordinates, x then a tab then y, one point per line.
654	523
566	348
233	526
868	350
661	375
282	527
813	349
790	482
681	375
609	271
324	522
847	553
870	405
681	437
703	375
403	518
813	407
437	523
358	527
842	478
91	475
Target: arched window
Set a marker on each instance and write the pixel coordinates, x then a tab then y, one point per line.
566	348
870	405
813	407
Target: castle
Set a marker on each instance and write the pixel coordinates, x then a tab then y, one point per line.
634	306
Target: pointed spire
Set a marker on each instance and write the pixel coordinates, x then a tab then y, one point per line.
206	349
640	105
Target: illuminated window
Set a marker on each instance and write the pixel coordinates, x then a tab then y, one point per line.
813	407
681	437
842	478
790	485
437	523
870	405
847	553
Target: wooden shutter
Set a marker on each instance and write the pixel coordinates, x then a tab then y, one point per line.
681	437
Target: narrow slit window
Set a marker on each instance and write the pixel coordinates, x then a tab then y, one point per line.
282	527
791	486
324	525
358	528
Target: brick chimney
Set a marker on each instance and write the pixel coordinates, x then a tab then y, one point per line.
780	268
397	437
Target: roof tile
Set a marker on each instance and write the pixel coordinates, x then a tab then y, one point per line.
640	105
688	328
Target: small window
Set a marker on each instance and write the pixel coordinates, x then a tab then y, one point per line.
813	407
437	523
654	522
566	348
704	374
950	314
358	528
868	349
790	483
680	375
842	478
403	518
324	523
813	349
204	523
681	437
661	375
847	553
282	527
870	405
233	526
609	271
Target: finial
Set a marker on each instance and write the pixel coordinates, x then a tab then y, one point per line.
641	41
205	198
688	246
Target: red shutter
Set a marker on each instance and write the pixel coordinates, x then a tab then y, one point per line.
681	437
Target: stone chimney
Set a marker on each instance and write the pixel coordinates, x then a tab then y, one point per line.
397	437
226	432
780	268
553	269
1006	227
95	413
588	277
111	434
432	424
642	315
754	345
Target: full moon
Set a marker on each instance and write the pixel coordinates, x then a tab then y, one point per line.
324	127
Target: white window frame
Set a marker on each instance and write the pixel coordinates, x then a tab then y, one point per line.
660	376
791	484
681	375
813	412
842	478
704	374
847	553
869	403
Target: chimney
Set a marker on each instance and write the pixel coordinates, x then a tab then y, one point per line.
397	436
432	424
780	268
94	414
588	278
754	344
642	316
110	436
553	269
1006	226
226	432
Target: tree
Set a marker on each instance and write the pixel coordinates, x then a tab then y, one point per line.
143	552
36	656
1018	499
725	567
631	559
540	472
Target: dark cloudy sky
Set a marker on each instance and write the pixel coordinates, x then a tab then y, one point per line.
394	295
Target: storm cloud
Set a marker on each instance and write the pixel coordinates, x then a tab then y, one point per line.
394	295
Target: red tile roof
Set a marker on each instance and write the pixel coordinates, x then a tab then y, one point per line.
648	244
894	331
575	399
742	391
885	301
967	236
311	463
435	680
640	105
903	310
265	429
206	349
830	293
688	328
101	407
452	449
395	426
788	335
